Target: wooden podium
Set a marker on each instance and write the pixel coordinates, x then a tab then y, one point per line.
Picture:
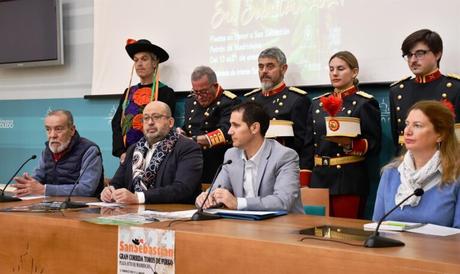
60	242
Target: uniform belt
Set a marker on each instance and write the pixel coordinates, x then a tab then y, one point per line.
333	161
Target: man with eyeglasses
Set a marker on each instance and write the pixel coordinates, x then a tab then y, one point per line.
281	102
67	158
162	167
423	51
207	118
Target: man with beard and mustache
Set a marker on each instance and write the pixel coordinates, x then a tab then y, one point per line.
162	167
66	158
279	101
423	51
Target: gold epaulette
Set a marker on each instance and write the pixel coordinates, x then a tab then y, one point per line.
325	94
253	91
402	80
229	94
364	94
298	90
453	75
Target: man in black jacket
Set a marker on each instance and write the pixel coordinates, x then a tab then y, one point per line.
162	167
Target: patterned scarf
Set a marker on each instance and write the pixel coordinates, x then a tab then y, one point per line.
144	178
425	177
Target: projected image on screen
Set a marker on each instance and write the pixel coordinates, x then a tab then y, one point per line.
304	30
228	35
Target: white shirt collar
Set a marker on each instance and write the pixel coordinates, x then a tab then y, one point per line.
256	157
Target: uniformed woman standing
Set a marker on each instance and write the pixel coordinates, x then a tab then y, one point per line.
338	162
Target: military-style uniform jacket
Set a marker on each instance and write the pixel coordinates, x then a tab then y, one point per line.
283	103
343	170
214	122
405	93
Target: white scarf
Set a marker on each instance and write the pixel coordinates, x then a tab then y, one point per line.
425	177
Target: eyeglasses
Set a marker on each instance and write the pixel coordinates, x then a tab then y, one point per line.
154	117
419	54
202	92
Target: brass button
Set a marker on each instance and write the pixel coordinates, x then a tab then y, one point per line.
349	112
194	102
281	104
218	102
398	108
189	126
192	111
354	103
316	145
402	132
444	95
449	85
284	96
314	132
339	166
206	114
320	104
276	111
253	98
401	86
399	120
314	121
399	97
317	111
338	154
189	118
190	132
206	123
273	118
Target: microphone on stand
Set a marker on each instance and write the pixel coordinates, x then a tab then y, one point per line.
3	197
200	215
70	204
375	240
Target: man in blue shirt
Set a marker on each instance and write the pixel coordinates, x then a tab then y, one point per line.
66	159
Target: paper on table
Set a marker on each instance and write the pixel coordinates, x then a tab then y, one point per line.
104	204
31	197
184	214
241	212
435	230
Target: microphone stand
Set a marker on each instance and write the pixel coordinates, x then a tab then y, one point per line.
70	204
5	199
200	215
375	240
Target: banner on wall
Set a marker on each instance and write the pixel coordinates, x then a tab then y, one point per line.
145	250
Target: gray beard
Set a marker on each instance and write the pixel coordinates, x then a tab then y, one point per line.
266	86
60	148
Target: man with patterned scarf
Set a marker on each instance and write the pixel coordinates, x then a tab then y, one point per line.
162	167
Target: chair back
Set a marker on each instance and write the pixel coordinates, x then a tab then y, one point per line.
315	200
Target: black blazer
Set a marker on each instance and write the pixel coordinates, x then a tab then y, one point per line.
178	179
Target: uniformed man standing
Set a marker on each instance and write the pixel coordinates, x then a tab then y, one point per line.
207	118
422	51
279	101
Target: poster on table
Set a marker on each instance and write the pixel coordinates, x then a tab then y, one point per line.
145	250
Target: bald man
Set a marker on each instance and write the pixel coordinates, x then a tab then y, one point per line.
162	167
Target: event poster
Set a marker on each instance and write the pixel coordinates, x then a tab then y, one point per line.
145	250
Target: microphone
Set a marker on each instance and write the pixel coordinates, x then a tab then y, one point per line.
3	198
375	240
199	215
68	203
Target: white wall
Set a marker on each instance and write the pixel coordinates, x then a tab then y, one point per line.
73	79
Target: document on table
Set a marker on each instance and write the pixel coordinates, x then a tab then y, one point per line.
104	204
436	230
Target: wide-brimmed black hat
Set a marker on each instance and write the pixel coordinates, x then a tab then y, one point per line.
144	45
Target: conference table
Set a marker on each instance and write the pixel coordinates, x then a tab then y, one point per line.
60	242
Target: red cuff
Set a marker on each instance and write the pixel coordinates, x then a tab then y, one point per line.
216	138
359	147
304	177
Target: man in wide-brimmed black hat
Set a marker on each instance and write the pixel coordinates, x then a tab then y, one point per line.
126	123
